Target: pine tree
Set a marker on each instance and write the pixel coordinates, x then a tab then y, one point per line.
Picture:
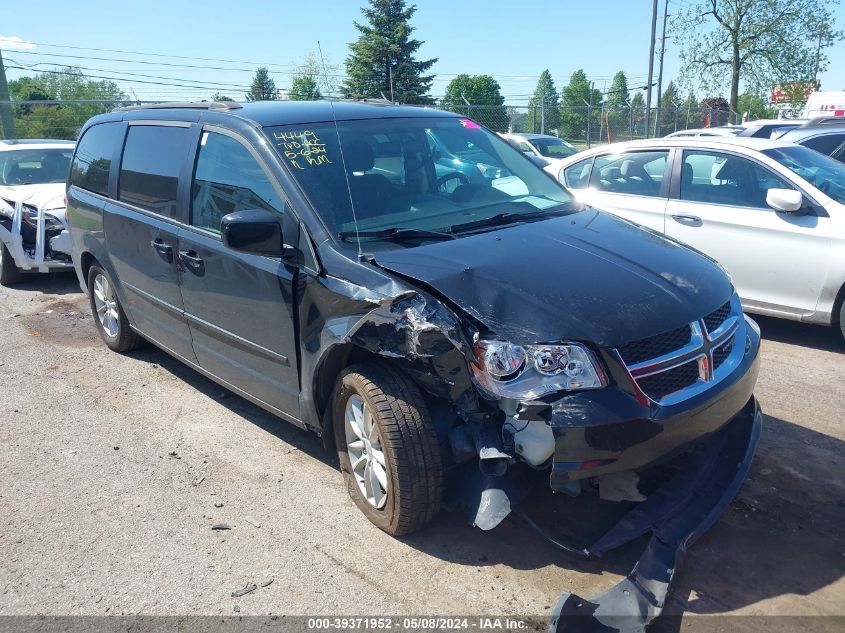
304	88
382	62
689	116
617	106
619	94
263	87
638	115
669	108
545	97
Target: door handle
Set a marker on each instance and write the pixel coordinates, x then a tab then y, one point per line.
691	220
192	262
164	250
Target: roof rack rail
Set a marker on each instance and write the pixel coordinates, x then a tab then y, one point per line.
825	120
35	141
185	105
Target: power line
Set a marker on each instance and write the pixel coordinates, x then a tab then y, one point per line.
141	81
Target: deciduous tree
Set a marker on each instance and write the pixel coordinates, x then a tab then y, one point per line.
754	42
304	88
60	120
479	97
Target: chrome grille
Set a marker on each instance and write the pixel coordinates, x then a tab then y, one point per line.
715	319
658	386
655	346
676	364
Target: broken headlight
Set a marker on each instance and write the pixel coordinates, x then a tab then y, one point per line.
505	370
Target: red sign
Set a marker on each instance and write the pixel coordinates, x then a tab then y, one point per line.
793	91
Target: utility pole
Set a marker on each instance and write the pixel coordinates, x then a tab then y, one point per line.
660	71
543	113
390	74
650	69
6	118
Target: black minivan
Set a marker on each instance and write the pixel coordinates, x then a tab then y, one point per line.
435	325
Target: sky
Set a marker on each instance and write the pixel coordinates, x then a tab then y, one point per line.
512	41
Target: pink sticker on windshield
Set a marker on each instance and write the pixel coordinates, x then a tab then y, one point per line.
470	125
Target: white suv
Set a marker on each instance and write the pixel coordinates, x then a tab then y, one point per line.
772	213
33	227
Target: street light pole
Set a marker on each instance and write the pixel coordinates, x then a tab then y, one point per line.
660	71
650	69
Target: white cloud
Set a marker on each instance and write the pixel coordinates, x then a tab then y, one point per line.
15	43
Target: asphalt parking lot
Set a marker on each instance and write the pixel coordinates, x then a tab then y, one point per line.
113	470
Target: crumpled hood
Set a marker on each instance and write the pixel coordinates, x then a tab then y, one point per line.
45	196
589	276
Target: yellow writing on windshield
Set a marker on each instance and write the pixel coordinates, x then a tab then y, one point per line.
302	149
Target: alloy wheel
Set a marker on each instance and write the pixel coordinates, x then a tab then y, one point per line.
366	454
105	302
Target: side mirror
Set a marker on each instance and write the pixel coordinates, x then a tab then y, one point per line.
786	200
255	231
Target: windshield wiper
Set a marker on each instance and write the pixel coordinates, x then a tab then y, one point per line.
501	219
397	234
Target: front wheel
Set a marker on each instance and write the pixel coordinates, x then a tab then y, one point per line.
109	316
9	272
387	447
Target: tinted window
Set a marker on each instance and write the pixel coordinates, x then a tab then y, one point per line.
92	161
553	147
34	166
631	173
726	179
577	176
149	174
522	146
822	172
826	144
228	179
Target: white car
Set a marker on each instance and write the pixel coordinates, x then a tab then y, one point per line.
772	213
722	130
544	145
33	226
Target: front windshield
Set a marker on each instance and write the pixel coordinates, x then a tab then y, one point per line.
418	174
553	147
34	166
824	173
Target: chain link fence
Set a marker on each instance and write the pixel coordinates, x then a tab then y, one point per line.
583	126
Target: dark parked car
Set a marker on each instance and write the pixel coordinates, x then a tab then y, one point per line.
308	257
827	138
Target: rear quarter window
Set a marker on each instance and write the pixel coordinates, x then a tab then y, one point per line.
92	160
826	144
153	158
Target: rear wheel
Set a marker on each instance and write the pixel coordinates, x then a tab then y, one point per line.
109	317
842	318
387	447
9	272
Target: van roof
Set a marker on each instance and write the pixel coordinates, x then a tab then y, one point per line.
267	113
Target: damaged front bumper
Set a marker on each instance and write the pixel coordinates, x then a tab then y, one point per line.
38	244
675	514
608	431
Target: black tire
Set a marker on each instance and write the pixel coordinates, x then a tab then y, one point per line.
842	318
125	339
408	442
9	272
